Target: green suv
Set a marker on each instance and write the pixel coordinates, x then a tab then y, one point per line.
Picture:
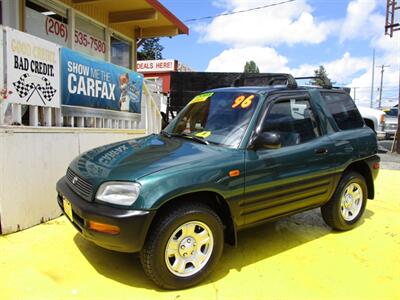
232	158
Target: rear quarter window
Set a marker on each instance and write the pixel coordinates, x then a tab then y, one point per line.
343	110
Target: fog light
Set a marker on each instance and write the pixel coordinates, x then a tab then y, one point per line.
105	228
376	166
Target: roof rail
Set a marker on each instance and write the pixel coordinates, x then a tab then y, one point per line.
267	79
343	88
327	84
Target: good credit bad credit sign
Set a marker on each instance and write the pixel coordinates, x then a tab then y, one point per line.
33	67
98	84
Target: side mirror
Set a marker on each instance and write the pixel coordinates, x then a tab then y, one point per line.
267	140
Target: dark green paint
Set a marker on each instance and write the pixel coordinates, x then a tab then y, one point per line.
271	182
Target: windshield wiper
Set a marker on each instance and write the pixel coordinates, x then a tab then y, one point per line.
192	137
164	133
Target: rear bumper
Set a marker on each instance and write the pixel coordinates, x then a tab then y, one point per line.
133	224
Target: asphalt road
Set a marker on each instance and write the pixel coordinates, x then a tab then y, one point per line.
390	161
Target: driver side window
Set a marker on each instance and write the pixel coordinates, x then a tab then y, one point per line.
293	120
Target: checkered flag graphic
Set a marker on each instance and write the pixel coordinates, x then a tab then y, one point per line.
47	90
42	86
22	87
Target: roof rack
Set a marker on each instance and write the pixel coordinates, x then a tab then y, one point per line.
327	84
266	79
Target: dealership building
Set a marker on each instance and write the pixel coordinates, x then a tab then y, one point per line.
69	83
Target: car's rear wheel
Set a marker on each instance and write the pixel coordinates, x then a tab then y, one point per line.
347	205
183	246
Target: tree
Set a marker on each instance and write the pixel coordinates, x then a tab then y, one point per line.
322	77
251	67
150	49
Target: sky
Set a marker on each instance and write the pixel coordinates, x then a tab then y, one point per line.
294	37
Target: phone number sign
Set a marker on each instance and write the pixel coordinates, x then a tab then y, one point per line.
56	31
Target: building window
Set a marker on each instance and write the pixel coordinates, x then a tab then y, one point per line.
121	52
89	37
48	20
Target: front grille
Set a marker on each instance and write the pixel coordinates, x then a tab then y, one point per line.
79	185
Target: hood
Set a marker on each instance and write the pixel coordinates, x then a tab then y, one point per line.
132	159
370	111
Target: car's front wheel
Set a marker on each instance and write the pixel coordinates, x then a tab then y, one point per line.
347	205
183	246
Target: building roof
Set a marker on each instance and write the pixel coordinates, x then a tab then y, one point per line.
146	18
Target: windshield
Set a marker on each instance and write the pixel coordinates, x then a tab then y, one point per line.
219	118
392	112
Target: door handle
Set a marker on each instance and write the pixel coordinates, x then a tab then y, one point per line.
348	149
321	151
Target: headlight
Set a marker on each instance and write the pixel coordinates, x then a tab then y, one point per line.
120	193
382	119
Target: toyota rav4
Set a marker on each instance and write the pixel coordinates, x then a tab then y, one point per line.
231	159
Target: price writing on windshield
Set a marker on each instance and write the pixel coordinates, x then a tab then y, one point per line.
242	101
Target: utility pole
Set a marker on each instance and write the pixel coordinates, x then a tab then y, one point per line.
380	89
373	79
390	27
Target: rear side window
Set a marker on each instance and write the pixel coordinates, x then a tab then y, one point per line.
343	110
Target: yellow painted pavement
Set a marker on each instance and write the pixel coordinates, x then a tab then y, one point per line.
295	258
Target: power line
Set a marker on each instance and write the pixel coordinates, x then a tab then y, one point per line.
384	88
387	86
240	11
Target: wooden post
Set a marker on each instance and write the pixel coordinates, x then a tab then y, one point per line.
47	117
108	33
58	117
71	28
22	15
16	114
134	53
81	122
33	115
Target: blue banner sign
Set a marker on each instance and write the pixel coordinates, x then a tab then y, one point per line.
93	83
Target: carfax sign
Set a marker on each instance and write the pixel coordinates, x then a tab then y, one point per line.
93	83
33	70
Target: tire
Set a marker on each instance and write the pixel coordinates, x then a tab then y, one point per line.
194	233
343	212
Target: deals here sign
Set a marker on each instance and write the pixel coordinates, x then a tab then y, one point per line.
33	68
92	83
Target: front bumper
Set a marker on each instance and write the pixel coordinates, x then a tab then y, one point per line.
133	224
380	135
390	133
